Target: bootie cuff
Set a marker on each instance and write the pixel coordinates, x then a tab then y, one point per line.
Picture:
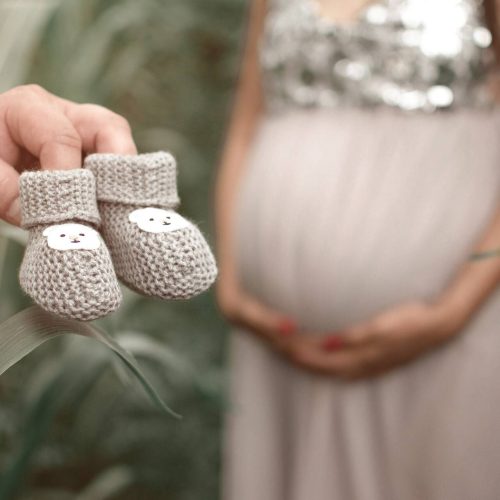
53	196
142	180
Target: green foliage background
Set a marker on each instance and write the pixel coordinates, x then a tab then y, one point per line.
68	427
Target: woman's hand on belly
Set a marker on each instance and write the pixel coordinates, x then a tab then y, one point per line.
281	333
241	309
390	339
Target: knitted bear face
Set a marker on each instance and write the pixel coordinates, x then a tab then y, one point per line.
72	237
157	220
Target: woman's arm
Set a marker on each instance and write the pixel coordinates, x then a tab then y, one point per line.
400	334
247	109
476	279
238	306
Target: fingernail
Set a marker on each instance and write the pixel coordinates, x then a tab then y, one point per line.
14	211
333	343
287	327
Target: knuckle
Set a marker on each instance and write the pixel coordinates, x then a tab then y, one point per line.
32	89
106	115
68	139
23	93
93	108
121	121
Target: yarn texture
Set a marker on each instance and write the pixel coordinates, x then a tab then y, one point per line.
50	197
72	283
170	265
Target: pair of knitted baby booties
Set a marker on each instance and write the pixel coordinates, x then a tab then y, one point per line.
71	269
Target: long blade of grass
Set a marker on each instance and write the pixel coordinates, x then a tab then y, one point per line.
27	330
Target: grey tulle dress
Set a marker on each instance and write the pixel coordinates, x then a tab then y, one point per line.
374	171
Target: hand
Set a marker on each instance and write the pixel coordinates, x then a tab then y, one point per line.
40	130
388	340
281	332
241	309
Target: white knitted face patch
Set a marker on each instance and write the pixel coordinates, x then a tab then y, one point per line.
72	237
157	220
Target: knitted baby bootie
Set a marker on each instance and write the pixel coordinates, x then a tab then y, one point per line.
67	268
155	251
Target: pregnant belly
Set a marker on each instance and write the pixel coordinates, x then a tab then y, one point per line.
344	213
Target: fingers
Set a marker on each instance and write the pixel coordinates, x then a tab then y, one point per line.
351	353
353	364
358	336
243	310
9	194
40	129
353	337
263	319
101	130
46	133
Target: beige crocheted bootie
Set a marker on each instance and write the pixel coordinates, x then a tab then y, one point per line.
67	268
156	251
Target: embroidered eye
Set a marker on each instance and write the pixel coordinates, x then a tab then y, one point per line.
82	234
151	219
63	235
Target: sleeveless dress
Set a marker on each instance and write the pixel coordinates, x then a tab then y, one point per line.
373	173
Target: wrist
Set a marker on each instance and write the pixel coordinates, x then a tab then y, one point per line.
452	313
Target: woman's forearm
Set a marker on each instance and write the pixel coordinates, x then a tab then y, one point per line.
477	279
246	112
230	171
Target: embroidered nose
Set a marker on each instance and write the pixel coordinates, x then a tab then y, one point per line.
74	239
166	222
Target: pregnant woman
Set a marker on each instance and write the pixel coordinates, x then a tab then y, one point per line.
361	173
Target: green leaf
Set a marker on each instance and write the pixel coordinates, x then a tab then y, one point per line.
27	330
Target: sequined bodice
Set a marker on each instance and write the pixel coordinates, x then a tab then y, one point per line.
409	54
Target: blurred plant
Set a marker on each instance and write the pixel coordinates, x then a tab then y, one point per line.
169	67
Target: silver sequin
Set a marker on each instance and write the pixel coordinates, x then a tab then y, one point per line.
414	55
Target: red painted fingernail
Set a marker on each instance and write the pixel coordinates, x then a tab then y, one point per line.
333	343
287	327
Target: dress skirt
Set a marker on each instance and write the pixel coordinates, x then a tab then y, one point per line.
341	214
